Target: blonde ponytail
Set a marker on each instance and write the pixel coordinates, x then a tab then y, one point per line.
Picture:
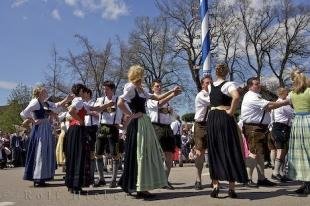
299	80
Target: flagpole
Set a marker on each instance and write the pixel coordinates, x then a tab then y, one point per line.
205	38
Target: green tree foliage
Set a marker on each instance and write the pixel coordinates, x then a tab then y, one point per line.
10	117
21	95
188	117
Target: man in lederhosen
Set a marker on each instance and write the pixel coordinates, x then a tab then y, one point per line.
202	101
281	128
108	142
160	114
91	124
177	128
255	114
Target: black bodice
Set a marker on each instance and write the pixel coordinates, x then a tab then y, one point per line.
217	97
137	103
40	113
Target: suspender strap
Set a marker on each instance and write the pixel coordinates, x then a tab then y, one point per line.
115	111
91	117
179	127
101	112
158	117
206	114
262	117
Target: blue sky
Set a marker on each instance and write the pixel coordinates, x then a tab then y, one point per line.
30	28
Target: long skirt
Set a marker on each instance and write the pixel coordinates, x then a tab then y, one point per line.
77	152
60	155
40	161
299	148
144	158
226	160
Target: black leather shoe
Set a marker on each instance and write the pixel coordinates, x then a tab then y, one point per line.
100	183
39	184
79	192
198	186
301	190
304	189
113	184
145	195
250	183
265	182
285	179
232	194
280	178
169	186
276	177
215	192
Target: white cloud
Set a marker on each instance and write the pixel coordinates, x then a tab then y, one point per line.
71	2
18	3
7	85
112	9
109	9
25	18
55	14
79	13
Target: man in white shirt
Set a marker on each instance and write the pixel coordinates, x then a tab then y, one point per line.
281	128
255	114
91	121
202	102
176	127
108	141
160	114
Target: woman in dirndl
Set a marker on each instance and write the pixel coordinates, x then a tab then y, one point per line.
64	118
144	158
40	161
299	144
226	162
77	144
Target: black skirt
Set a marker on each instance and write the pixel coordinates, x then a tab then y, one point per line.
77	151
128	179
226	161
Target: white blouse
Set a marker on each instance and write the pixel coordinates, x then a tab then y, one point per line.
226	88
35	105
129	92
78	104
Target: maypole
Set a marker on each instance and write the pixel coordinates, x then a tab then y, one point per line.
205	38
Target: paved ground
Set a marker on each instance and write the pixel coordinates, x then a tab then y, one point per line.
15	191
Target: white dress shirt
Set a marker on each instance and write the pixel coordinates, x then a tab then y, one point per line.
91	120
108	117
153	108
176	127
252	109
202	100
283	114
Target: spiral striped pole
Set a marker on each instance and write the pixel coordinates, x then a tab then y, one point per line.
205	38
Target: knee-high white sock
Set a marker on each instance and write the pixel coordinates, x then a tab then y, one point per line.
99	164
114	169
260	166
273	157
199	166
277	166
250	165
